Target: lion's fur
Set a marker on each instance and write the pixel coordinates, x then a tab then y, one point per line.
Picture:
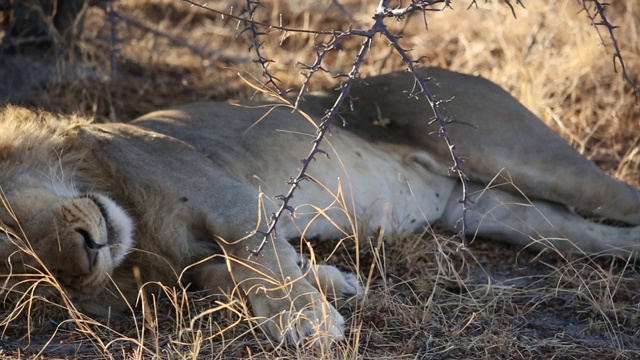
36	140
494	133
188	179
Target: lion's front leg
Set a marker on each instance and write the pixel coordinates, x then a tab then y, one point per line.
330	281
285	304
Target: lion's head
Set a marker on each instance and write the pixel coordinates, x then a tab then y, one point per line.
46	220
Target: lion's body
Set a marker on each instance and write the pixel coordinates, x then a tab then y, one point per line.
190	179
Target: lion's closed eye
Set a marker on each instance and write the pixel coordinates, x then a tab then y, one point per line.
89	241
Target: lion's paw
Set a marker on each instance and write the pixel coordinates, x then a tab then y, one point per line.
334	283
297	314
317	327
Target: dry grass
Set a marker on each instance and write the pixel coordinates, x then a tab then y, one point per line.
426	299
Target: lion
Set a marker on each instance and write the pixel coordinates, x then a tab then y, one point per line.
184	194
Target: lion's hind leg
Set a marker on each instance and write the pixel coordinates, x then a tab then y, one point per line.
512	218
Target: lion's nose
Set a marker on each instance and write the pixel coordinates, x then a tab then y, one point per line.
90	246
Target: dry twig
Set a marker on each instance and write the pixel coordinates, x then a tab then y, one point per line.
598	11
383	11
115	50
252	6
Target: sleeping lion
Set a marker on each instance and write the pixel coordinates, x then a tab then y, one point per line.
185	194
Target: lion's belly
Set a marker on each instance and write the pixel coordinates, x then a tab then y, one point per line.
363	185
381	187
